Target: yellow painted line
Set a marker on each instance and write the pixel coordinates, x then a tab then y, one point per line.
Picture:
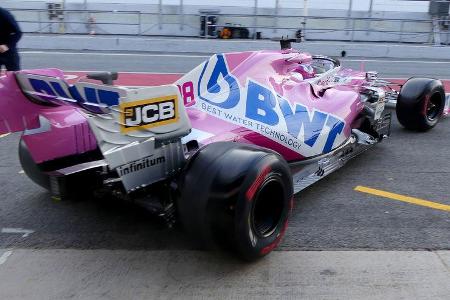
3	135
407	199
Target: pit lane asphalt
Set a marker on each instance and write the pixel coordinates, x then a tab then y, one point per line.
329	215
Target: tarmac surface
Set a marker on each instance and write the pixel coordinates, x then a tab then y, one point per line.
122	274
328	216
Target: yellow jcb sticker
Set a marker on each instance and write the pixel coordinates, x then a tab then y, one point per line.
149	113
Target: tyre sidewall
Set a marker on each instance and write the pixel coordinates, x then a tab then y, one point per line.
213	206
249	245
30	167
412	108
423	105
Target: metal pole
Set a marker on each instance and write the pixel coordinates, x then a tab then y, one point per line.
62	24
370	16
160	14
255	19
353	30
349	14
277	7
181	15
40	21
350	7
436	31
402	25
305	18
86	15
140	23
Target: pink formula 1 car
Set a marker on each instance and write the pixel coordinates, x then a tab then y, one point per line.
223	150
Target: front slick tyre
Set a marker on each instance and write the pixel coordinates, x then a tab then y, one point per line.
238	197
420	103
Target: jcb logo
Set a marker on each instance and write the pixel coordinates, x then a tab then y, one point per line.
149	113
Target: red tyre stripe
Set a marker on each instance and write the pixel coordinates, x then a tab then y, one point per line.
255	185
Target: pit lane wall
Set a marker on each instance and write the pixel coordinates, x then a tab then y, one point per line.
396	21
211	46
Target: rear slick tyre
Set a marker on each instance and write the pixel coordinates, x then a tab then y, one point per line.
238	197
30	168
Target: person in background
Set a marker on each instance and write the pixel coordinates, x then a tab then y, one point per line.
10	35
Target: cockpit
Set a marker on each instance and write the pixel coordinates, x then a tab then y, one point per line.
314	69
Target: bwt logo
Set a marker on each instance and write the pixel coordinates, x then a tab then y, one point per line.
256	102
149	113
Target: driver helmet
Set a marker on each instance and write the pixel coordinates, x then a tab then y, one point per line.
306	70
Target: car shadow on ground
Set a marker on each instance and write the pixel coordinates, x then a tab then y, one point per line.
92	223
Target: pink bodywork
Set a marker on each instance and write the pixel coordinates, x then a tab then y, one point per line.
270	68
71	135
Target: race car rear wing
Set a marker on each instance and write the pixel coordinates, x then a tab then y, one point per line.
138	131
25	95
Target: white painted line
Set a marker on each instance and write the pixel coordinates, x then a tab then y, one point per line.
4	135
114	54
397	61
120	72
206	56
169	73
21	172
150	38
5	257
24	232
136	86
396	78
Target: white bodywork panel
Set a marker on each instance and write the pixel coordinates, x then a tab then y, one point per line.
141	137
